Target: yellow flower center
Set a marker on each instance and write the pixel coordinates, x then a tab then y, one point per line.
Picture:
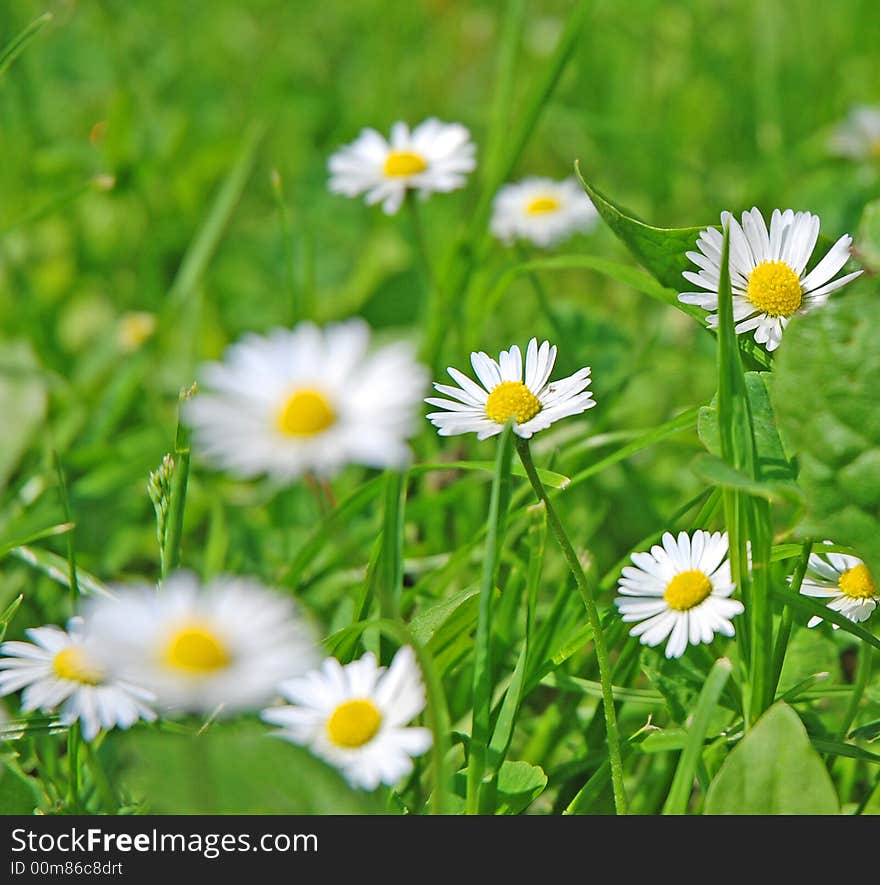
512	399
72	663
687	589
400	163
197	650
857	583
353	724
540	205
774	288
305	413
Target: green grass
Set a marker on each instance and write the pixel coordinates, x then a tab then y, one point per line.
171	158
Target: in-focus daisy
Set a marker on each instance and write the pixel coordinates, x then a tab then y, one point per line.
223	646
843	579
858	136
680	590
355	717
433	157
64	669
542	210
309	399
531	400
768	274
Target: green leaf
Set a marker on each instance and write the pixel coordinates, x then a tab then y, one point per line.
773	770
682	783
773	461
17	44
56	567
662	252
519	784
426	625
23	394
19	794
235	769
812	607
869	732
719	473
548	477
9	614
825	394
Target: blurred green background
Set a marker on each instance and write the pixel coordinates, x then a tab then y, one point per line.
678	110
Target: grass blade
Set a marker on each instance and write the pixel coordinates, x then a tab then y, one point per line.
682	783
205	243
19	43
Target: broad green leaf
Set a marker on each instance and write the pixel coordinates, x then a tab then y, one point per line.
519	784
235	769
23	396
824	392
773	770
868	237
19	794
773	461
662	251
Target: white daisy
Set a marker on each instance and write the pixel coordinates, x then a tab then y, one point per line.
533	402
542	210
843	579
308	399
433	157
767	271
680	590
65	669
858	136
355	717
223	646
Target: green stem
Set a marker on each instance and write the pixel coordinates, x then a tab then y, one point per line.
588	593
179	480
480	729
73	773
866	656
787	618
390	564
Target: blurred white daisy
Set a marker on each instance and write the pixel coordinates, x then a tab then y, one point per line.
858	136
680	590
433	157
307	399
843	579
355	717
532	401
542	210
224	646
768	274
59	668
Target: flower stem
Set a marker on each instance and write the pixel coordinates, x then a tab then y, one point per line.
588	593
480	729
